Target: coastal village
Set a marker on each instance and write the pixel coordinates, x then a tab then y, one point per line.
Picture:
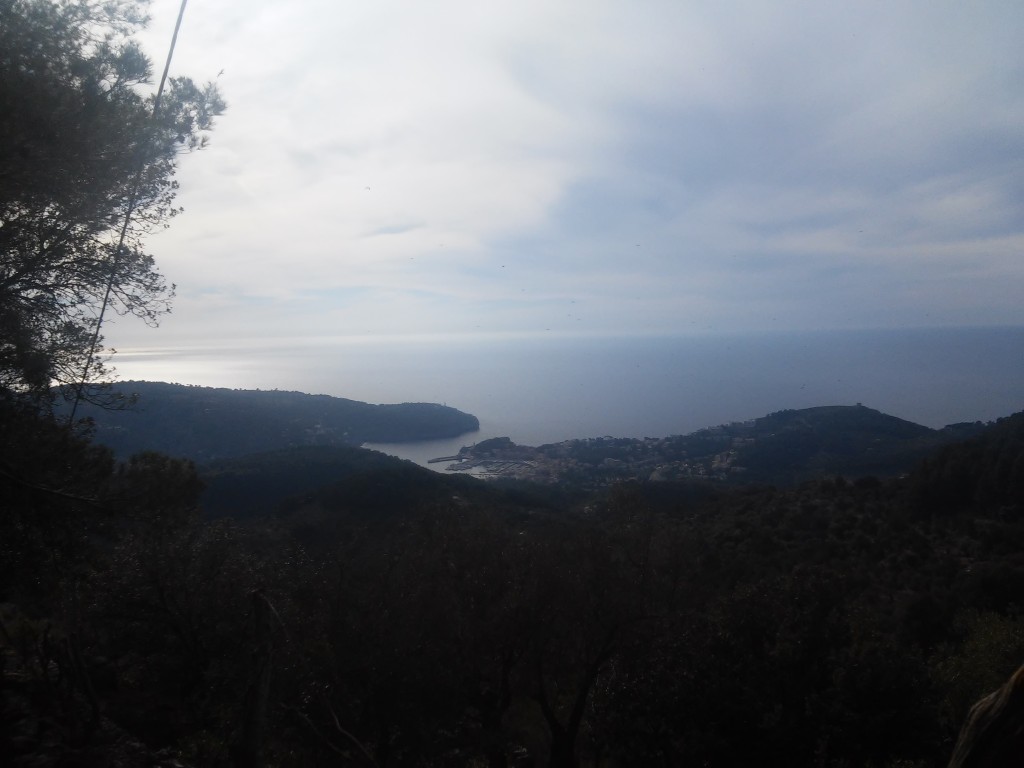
785	446
600	461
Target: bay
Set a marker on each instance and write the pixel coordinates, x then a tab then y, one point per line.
541	390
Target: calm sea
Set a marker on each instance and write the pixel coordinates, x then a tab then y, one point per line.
542	390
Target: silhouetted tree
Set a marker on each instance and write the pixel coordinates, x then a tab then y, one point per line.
80	150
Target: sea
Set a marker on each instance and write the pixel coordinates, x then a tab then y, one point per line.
539	390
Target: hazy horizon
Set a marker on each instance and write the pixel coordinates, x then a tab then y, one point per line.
591	169
548	389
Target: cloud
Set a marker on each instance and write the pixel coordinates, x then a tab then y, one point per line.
465	167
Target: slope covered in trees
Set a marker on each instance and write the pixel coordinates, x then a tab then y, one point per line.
373	483
422	620
204	423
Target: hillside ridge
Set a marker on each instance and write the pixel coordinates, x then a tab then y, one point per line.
206	423
780	448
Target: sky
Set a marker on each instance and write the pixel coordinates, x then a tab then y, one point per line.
573	168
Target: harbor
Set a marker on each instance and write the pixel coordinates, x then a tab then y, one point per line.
440	459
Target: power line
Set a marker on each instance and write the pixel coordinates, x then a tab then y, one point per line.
132	199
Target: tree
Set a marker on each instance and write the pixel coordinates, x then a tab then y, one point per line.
82	152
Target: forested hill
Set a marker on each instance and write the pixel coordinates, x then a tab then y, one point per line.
850	440
782	448
203	423
826	623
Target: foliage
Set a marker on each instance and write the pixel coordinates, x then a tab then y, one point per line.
80	150
51	481
206	423
416	619
986	472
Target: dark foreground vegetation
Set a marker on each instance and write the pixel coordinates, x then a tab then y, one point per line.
394	617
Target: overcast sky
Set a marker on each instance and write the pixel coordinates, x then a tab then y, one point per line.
587	167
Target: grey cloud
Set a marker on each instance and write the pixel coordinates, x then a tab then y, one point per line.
395	229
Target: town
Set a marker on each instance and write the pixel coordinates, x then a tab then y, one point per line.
601	461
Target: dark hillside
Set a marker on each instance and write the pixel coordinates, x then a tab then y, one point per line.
986	472
203	423
851	440
856	422
257	484
369	483
429	620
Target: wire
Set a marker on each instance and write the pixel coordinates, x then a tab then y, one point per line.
132	199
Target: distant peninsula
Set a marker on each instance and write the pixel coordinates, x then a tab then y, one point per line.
784	448
205	423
